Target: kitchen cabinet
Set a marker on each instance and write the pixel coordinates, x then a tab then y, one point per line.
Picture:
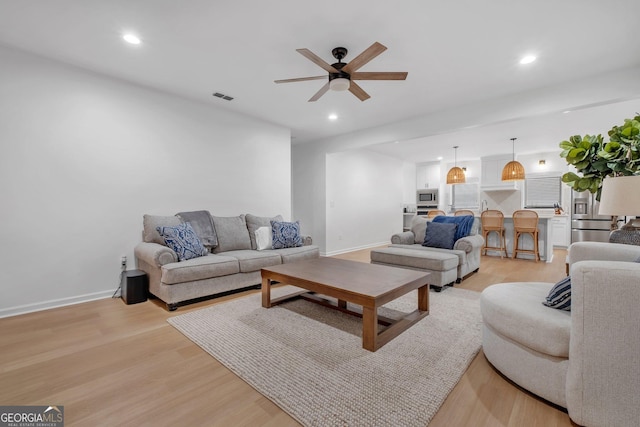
427	176
491	173
560	231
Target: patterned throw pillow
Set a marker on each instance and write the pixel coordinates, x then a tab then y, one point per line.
560	295
440	235
183	240
285	234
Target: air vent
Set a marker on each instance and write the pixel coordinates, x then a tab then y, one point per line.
223	96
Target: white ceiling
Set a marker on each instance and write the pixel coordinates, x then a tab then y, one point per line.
456	53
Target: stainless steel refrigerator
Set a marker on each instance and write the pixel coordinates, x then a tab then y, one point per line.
586	224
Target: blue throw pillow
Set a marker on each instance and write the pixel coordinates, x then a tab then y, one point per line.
464	222
285	234
560	295
440	235
183	240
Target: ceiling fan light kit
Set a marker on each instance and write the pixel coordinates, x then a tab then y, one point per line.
513	171
456	174
341	75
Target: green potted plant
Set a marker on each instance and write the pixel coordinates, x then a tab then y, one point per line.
594	159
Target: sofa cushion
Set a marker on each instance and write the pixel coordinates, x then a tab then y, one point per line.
183	240
201	268
232	233
419	228
263	238
462	255
150	224
285	234
514	311
440	235
297	254
423	260
255	222
250	260
559	296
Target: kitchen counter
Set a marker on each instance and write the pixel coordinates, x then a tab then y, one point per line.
545	238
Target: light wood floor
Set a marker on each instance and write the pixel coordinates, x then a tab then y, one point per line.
113	364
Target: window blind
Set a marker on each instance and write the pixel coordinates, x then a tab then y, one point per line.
542	192
466	196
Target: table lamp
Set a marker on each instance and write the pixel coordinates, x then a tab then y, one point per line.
621	196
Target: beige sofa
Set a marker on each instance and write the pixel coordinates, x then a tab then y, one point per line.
586	359
234	263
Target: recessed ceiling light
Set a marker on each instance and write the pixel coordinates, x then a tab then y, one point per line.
527	59
333	117
566	111
130	38
440	158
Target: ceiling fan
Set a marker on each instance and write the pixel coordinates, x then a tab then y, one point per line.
342	75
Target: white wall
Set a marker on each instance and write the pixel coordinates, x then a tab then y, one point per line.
365	199
83	157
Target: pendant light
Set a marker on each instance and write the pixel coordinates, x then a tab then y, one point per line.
455	174
513	171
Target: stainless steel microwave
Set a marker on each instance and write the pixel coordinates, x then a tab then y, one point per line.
427	197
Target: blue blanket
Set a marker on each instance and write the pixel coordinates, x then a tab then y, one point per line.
464	223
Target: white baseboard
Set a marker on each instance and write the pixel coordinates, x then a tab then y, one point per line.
46	305
358	248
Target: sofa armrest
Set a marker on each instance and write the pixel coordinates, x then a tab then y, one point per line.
155	254
469	243
601	251
602	377
404	238
307	241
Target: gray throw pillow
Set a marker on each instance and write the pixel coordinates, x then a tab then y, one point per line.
440	235
232	233
255	222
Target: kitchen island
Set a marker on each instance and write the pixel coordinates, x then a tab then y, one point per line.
545	238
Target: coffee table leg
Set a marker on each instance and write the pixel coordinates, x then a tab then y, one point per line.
423	298
266	292
369	328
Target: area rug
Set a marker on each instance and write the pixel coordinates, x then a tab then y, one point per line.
309	359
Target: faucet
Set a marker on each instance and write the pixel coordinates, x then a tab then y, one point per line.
484	206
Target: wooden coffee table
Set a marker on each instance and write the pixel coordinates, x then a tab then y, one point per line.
366	285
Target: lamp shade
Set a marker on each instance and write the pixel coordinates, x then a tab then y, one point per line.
513	171
620	196
455	176
339	84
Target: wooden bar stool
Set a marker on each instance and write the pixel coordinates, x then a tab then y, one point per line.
493	221
435	213
525	222
463	212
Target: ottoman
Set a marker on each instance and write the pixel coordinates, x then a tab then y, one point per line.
442	266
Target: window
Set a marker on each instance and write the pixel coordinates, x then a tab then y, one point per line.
542	191
465	196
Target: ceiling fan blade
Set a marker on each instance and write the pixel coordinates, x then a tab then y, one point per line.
366	56
317	60
300	79
380	75
358	91
319	93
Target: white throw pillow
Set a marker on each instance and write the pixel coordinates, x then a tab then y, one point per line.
263	238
